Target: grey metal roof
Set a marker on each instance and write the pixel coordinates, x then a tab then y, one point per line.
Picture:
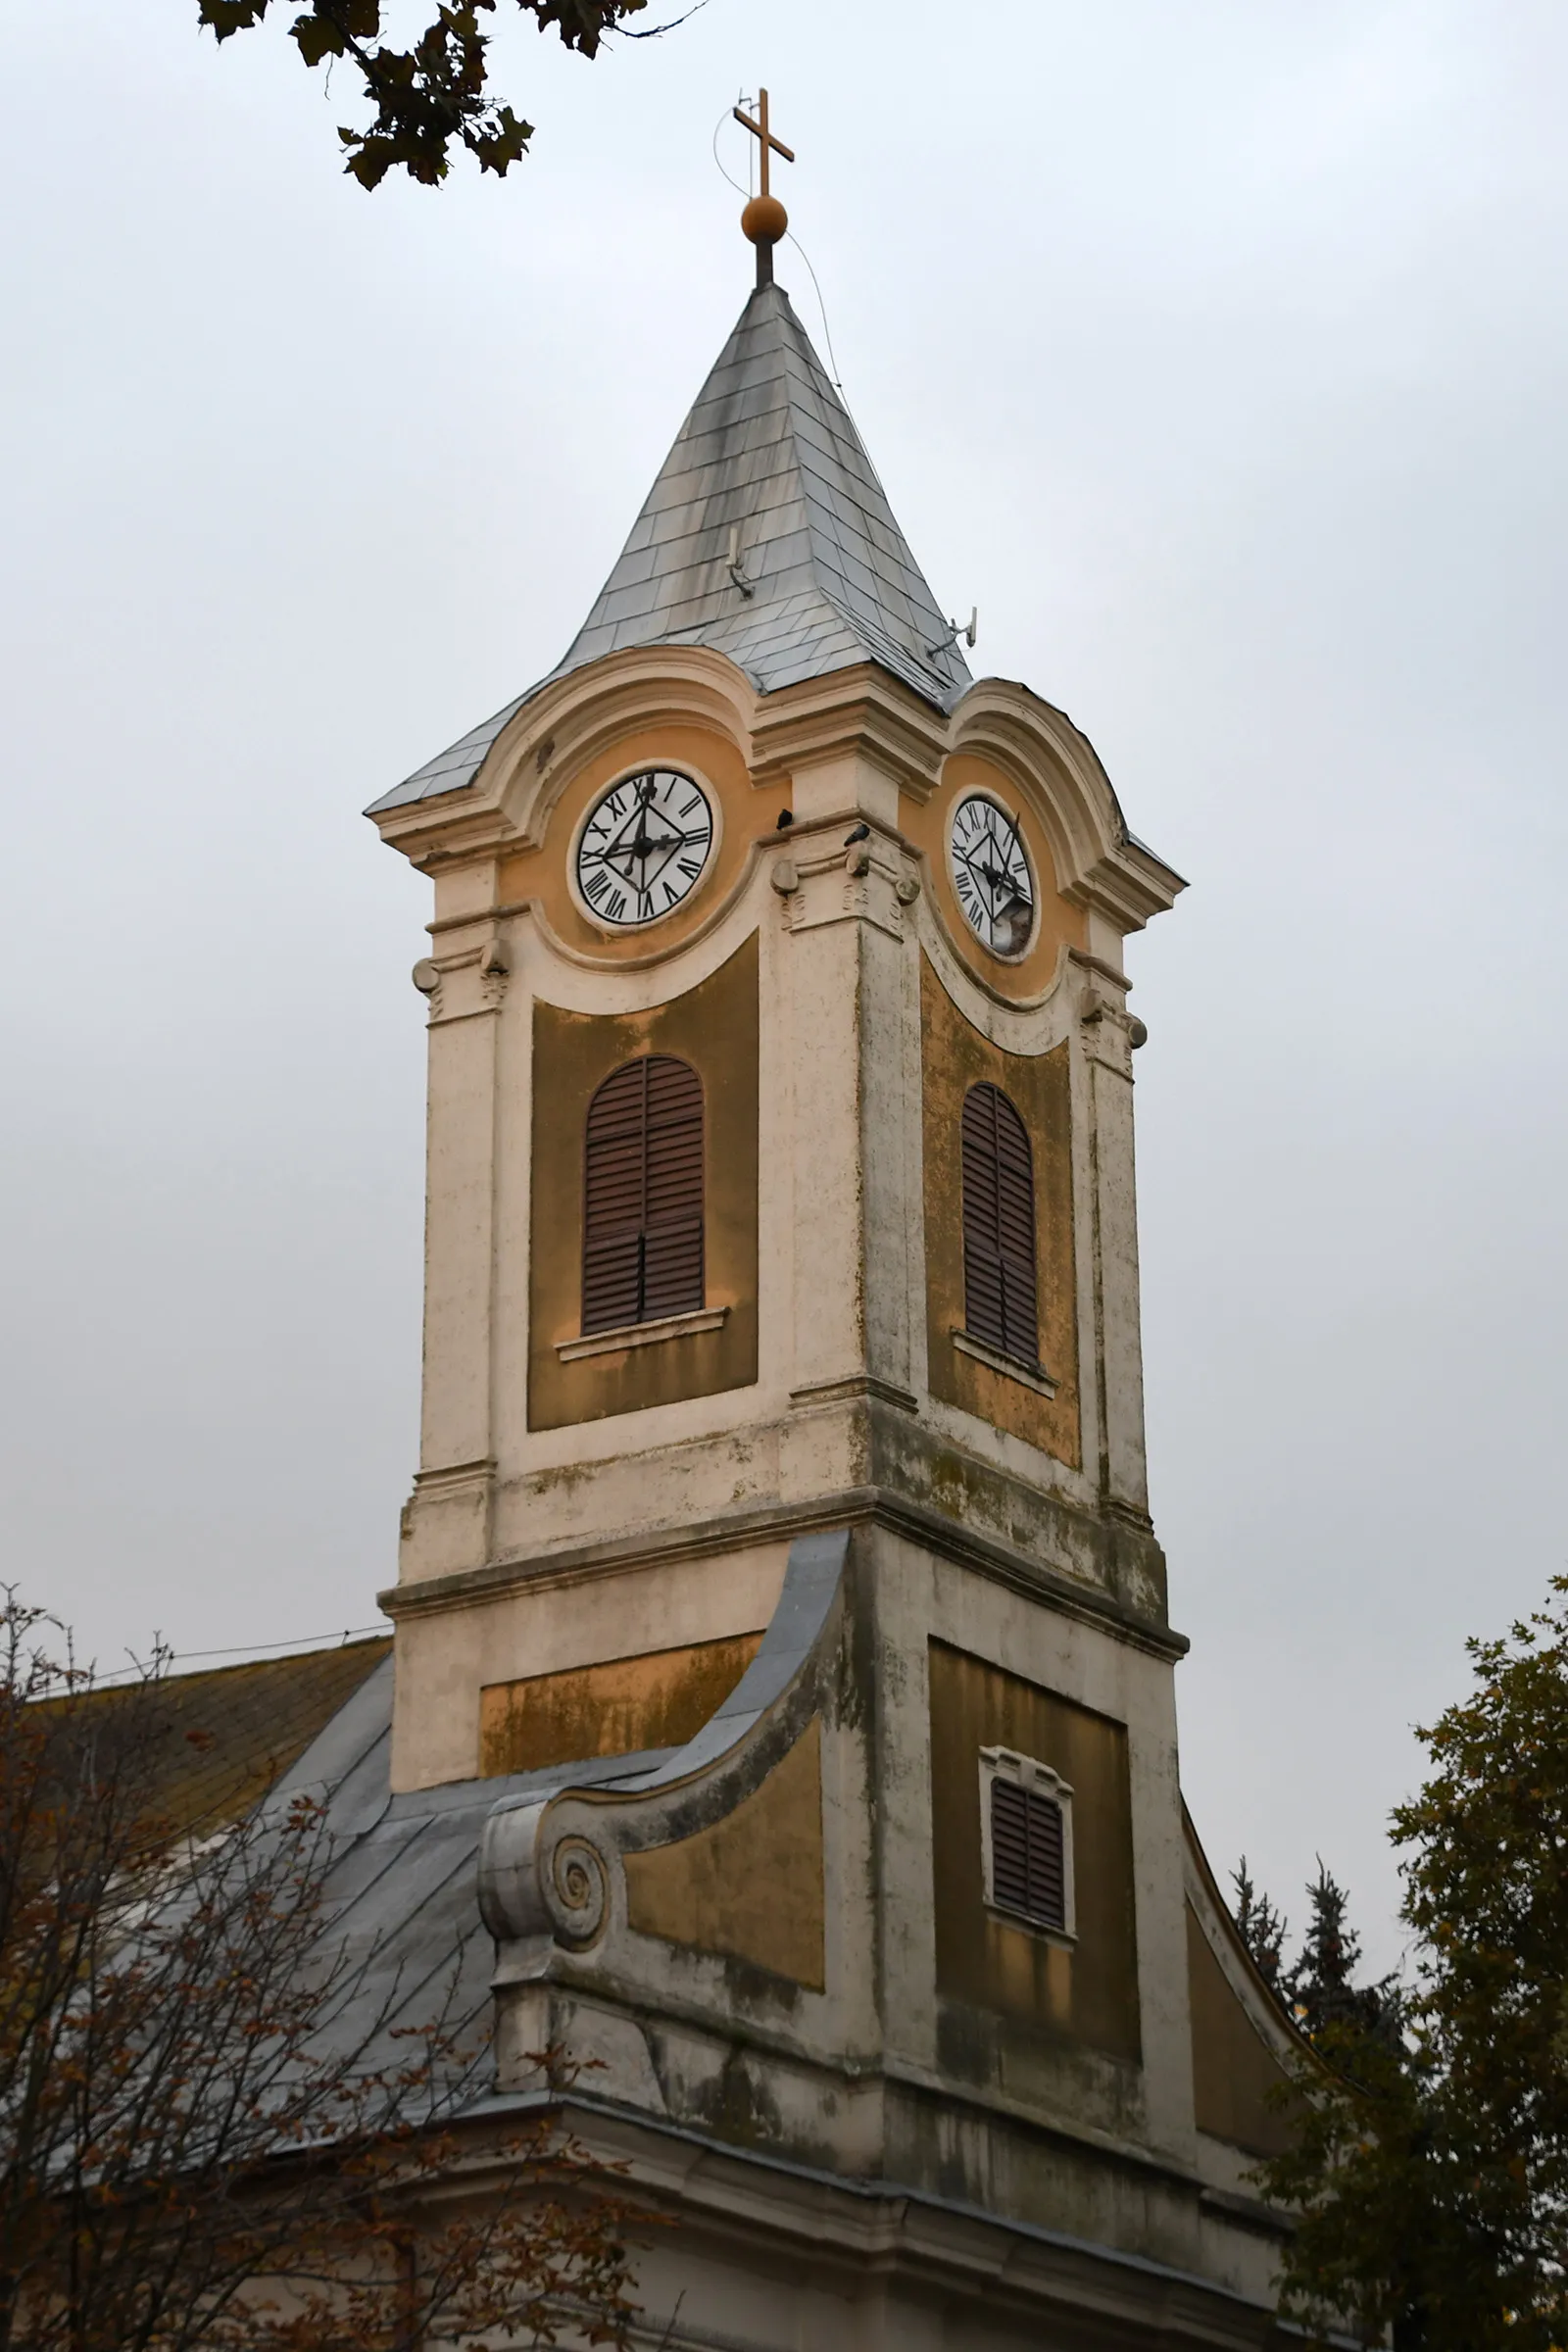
402	1890
770	453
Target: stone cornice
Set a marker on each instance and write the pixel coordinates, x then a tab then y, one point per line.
860	711
856	712
765	1523
1070	2291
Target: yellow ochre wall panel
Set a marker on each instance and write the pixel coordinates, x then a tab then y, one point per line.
539	872
615	1708
957	1057
1234	2071
749	1886
713	1027
1089	1992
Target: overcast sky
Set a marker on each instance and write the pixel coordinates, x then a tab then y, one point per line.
1214	348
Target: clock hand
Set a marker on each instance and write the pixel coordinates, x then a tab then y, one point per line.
638	848
987	873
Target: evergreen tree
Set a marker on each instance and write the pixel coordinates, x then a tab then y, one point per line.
1428	2176
1263	1929
1321	1986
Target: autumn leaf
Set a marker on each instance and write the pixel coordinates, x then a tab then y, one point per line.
433	99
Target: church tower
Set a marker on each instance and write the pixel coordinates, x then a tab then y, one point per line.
780	1555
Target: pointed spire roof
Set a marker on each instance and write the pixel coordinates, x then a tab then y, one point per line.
769	468
769	454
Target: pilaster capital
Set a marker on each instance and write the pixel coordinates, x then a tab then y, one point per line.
861	713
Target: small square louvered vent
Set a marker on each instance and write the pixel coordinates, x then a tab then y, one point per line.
1026	1854
1027	1820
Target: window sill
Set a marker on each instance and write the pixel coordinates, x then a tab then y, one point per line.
1012	1368
641	1335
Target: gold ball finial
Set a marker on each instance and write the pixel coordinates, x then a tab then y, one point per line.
764	220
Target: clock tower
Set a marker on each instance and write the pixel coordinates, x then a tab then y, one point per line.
779	1566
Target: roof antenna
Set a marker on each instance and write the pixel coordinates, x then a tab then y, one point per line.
969	630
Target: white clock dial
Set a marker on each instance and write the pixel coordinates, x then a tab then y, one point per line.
991	875
644	846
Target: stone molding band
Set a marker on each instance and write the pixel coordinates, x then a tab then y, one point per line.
730	1531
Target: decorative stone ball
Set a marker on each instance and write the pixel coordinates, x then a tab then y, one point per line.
764	220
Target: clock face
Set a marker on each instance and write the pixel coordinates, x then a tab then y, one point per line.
991	875
644	847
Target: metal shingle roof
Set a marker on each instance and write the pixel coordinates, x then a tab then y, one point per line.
769	451
401	1892
221	1735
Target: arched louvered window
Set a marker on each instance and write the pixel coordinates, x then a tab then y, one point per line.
1000	1302
642	1234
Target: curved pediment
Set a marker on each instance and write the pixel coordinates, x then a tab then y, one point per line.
1098	862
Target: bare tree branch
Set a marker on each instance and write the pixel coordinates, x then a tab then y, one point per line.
216	2135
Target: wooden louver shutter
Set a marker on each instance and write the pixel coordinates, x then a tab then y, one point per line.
1028	1869
642	1246
1000	1304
